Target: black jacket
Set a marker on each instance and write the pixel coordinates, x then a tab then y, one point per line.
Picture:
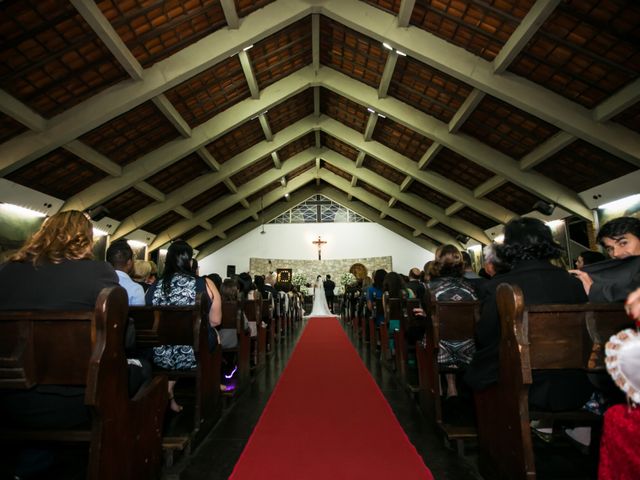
329	286
613	279
541	283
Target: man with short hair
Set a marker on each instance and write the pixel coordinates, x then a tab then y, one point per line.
329	286
120	256
613	280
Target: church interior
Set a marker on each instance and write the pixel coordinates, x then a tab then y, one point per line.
312	135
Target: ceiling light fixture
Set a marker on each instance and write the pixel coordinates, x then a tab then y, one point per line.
387	46
23	211
371	110
402	54
245	49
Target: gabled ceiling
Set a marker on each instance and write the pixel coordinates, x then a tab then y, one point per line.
433	118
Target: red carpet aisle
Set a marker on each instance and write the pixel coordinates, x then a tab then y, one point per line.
327	419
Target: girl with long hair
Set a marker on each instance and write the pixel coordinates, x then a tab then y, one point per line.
180	286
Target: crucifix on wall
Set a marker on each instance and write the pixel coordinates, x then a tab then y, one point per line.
319	243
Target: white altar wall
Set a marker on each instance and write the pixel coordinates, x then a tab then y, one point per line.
293	241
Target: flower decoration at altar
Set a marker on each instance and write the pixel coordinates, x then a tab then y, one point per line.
299	279
347	278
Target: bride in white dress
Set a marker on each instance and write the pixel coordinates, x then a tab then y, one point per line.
320	307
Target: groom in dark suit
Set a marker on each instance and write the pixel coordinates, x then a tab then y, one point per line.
329	286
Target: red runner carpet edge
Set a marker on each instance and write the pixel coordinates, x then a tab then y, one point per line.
327	419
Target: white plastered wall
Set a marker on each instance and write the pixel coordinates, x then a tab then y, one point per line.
294	241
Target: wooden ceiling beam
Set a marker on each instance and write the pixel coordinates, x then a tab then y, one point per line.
315	42
404	15
298	191
204	154
103	29
162	76
201	136
477	72
171	114
196	187
529	25
476	151
387	73
249	74
17	110
93	157
230	200
617	103
371	126
230	13
395	160
413	201
150	191
404	217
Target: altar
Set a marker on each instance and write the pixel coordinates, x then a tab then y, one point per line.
310	269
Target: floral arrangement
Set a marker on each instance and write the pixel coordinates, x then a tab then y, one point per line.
299	279
347	278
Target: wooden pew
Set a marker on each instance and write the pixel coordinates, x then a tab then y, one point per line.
282	308
185	325
232	319
403	311
86	348
268	319
536	337
449	321
253	311
376	334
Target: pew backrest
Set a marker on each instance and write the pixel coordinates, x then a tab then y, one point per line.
171	325
535	337
158	325
86	348
452	321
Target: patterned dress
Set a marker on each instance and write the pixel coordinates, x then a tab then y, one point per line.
183	292
454	353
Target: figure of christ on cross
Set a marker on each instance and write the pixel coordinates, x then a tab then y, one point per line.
319	242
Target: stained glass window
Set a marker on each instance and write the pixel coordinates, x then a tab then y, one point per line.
319	209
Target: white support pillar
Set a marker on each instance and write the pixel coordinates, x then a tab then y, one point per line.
247	69
230	13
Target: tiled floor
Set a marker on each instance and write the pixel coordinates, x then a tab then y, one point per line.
216	456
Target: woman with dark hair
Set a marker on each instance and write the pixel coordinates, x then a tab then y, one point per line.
179	286
395	286
374	292
528	248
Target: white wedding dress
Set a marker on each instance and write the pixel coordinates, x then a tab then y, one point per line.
320	307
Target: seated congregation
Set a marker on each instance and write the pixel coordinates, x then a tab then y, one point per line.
129	365
110	372
511	364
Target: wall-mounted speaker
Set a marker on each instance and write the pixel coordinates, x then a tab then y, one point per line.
543	207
